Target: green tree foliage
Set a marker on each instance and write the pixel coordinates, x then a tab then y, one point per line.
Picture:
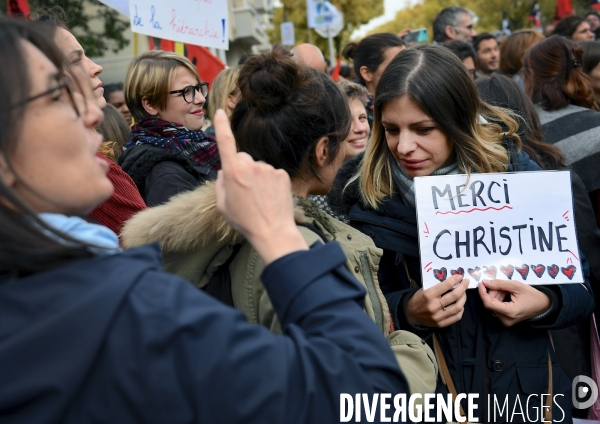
97	27
489	14
356	13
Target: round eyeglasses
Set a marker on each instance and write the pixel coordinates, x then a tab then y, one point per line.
64	84
189	92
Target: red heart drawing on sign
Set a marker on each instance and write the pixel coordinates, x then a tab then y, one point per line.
458	271
538	270
440	274
569	271
524	271
553	270
508	270
475	273
490	271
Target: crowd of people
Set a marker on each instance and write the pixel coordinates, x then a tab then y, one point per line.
248	252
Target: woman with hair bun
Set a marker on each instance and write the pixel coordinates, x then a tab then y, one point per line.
296	119
91	333
371	55
428	122
564	98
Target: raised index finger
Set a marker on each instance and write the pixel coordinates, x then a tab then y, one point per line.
225	139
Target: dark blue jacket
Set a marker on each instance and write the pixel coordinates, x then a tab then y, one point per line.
115	339
482	355
160	174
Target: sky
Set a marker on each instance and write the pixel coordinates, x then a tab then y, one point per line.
391	7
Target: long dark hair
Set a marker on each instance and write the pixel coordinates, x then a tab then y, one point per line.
502	91
438	83
554	77
25	248
591	55
370	51
567	26
285	109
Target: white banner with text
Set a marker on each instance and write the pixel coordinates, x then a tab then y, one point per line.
198	22
508	226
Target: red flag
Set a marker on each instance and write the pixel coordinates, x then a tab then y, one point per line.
17	8
336	71
167	45
563	8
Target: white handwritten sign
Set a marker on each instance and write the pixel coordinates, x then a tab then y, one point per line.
198	22
121	6
508	226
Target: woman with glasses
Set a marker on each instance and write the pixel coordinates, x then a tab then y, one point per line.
93	334
168	152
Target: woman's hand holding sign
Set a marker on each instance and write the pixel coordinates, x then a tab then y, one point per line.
525	301
440	305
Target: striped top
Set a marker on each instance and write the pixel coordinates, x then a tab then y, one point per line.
576	131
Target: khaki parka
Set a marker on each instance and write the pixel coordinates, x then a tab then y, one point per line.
196	241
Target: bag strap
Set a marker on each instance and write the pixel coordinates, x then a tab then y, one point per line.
412	282
548	405
444	371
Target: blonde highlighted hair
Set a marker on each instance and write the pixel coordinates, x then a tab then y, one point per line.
225	85
437	81
115	131
151	75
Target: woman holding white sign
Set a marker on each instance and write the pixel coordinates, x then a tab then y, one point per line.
428	122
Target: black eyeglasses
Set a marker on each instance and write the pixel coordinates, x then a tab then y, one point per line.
189	92
64	84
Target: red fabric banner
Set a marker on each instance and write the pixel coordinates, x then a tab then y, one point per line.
17	8
563	8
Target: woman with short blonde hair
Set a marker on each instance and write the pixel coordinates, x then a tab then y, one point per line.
168	152
149	78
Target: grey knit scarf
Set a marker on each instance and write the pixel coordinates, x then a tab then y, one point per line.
406	185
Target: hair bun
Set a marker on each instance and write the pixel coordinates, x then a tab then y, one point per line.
348	52
268	81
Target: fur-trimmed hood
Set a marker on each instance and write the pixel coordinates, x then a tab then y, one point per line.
189	221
